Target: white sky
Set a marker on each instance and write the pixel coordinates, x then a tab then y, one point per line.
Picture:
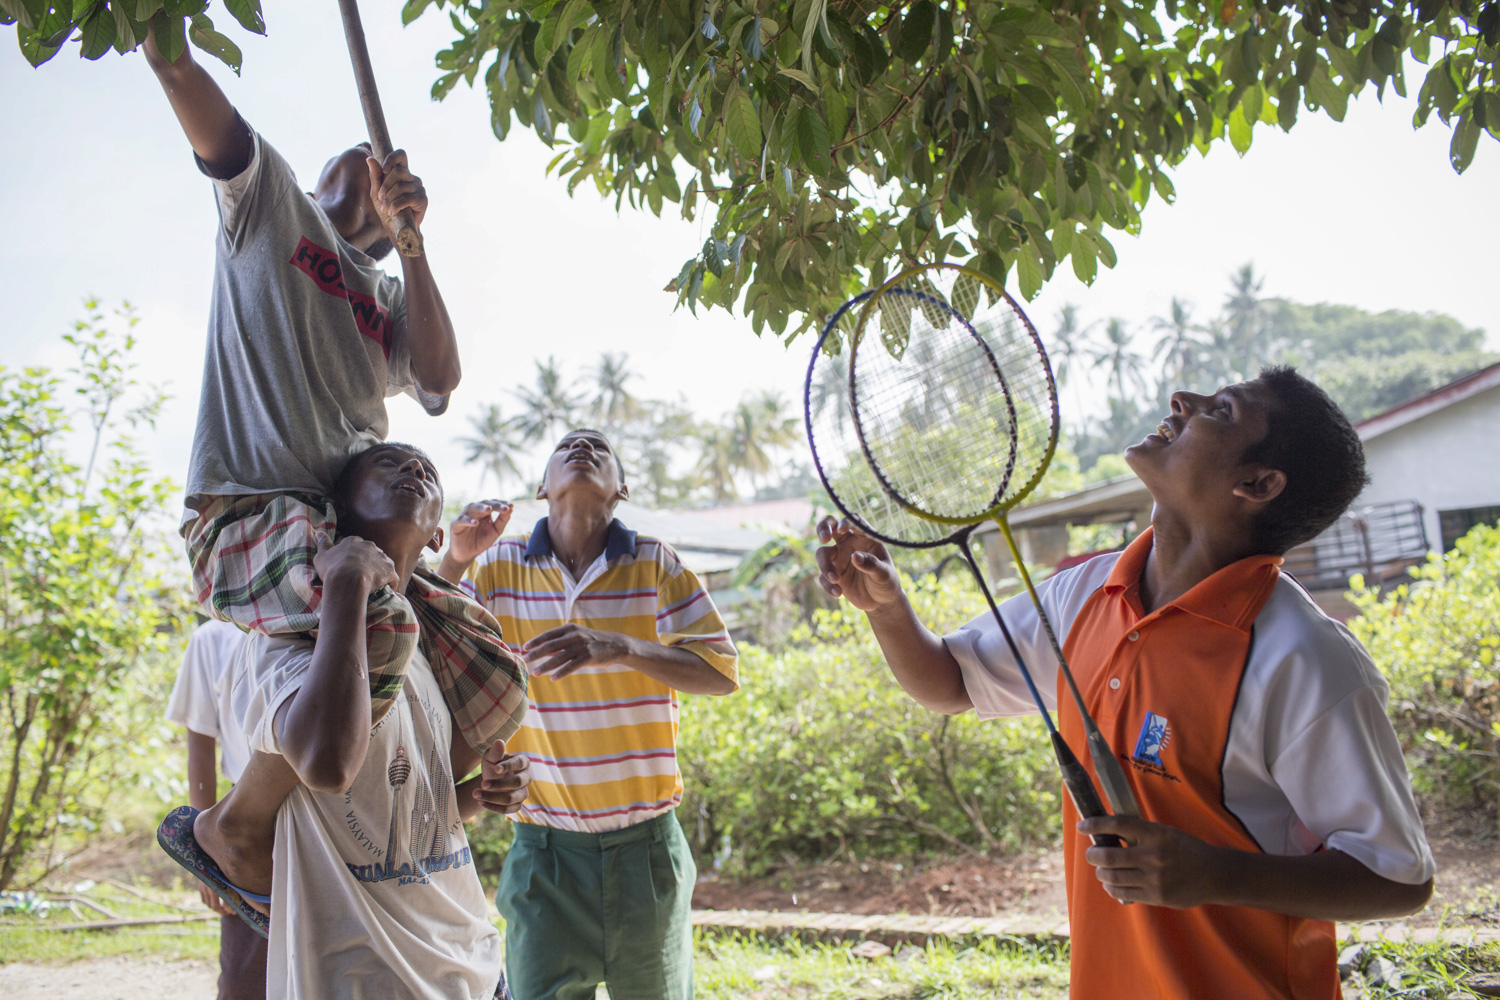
100	197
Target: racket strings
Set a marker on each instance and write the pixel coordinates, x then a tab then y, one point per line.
1018	351
840	463
932	409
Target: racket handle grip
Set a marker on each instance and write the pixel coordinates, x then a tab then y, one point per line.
1081	788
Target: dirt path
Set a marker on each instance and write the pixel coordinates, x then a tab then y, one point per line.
118	978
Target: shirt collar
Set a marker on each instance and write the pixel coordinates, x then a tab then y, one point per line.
621	541
1233	596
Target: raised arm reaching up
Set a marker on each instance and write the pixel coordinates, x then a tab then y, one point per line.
213	128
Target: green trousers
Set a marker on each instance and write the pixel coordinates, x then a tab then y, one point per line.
587	908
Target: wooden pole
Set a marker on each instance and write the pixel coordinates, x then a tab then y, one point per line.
408	240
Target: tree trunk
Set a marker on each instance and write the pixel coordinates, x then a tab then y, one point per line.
19	731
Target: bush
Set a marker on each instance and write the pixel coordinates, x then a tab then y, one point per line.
1436	638
87	603
822	752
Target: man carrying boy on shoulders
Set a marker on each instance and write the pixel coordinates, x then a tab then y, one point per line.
1274	797
374	889
598	886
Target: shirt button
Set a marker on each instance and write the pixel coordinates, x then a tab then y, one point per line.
1133	636
1114	683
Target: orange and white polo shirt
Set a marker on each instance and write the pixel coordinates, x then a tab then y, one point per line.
1245	717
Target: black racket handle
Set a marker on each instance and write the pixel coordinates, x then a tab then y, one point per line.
1081	787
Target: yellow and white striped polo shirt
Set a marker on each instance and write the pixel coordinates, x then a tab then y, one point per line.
603	740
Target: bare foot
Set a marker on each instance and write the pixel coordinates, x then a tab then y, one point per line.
243	855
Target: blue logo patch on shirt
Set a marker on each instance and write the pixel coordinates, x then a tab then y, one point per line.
1154	736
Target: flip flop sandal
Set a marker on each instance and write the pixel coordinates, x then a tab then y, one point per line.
175	835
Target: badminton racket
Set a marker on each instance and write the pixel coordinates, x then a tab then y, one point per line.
855	489
939	354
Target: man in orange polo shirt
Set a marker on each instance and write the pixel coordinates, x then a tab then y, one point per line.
1273	793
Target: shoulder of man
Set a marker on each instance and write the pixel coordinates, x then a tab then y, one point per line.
1304	657
1065	592
653	549
506	557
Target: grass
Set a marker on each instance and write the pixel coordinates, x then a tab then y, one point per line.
728	966
1427	970
26	937
733	967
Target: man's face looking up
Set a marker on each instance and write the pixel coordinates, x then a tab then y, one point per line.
393	486
1195	457
583	462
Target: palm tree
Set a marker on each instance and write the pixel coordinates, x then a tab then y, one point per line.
830	386
1222	361
613	405
1245	320
1070	341
548	406
496	442
650	443
717	461
1122	363
759	426
1178	347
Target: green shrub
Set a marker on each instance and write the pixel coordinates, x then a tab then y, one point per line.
821	751
1436	639
88	599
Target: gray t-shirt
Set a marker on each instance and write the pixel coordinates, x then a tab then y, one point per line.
306	339
373	894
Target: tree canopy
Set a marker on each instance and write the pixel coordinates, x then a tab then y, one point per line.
835	139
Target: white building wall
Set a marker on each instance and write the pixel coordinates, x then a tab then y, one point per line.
1448	459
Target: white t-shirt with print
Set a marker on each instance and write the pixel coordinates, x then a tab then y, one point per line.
374	895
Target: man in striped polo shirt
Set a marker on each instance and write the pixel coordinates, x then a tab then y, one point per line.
598	886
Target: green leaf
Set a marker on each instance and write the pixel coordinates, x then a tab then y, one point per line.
754	47
916	31
812	140
171	35
1287	102
815	13
1465	142
541	120
1250	103
98	33
558	26
1491	101
742	123
694	114
837	111
125	31
800	77
1240	131
206	38
247	12
1028	270
966	297
34	47
1328	95
1085	265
